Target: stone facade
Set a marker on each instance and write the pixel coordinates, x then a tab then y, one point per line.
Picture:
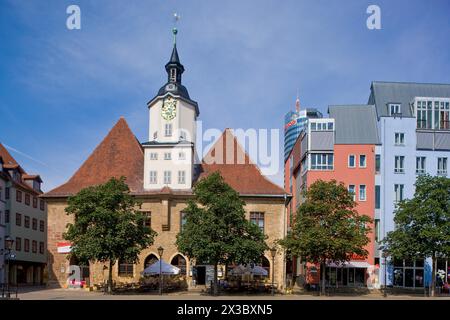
163	210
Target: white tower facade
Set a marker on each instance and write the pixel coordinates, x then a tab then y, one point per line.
170	150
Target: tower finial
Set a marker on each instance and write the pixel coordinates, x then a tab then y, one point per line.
176	18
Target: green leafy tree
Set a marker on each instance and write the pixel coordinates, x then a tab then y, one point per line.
423	223
216	231
327	227
107	225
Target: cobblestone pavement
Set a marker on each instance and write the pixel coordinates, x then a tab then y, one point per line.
78	294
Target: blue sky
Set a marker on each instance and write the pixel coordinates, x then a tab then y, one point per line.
61	90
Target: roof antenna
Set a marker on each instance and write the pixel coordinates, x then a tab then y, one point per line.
297	103
176	18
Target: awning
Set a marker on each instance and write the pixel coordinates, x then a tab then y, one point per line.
351	264
166	269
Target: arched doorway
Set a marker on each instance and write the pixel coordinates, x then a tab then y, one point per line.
151	259
180	262
265	263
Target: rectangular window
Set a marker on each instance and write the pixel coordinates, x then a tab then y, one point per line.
167	177
182	220
420	165
35	201
148	218
362	161
153	156
18	219
26	245
34	224
362	192
442	166
395	109
41	225
168	130
399	139
27	199
181	156
377	197
41	247
34	246
167	156
181	177
377	163
18	196
322	161
18	244
125	269
26	222
7	193
351	190
258	219
351	161
6	216
398	192
399	166
42	205
153	177
377	230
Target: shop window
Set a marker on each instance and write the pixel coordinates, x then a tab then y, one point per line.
125	269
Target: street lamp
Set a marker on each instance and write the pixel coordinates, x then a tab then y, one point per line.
8	246
273	253
160	252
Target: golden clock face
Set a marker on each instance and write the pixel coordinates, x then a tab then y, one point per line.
169	109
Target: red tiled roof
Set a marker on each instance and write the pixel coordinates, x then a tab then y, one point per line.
119	154
7	157
229	158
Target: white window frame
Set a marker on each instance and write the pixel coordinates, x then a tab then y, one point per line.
153	177
401	163
442	163
181	177
399	192
395	109
167	155
362	195
167	130
181	155
352	189
421	167
365	161
167	177
322	160
399	138
153	156
354	161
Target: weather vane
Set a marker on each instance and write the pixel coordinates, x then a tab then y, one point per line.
176	18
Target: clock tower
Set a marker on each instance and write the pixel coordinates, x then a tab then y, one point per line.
170	150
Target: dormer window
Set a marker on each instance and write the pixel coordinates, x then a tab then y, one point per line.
432	113
173	75
395	109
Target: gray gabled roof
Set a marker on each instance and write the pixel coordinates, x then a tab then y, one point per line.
383	93
354	124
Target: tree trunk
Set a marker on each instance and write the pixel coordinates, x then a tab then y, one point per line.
225	275
322	270
433	275
215	287
110	289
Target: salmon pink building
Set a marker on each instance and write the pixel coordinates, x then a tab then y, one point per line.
341	148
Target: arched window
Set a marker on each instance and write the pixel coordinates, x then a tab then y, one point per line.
151	259
180	262
265	263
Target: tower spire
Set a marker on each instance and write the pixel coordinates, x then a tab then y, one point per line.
297	103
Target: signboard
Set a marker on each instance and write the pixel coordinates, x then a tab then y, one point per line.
209	275
63	247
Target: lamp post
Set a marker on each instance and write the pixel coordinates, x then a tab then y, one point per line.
160	252
273	253
8	246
